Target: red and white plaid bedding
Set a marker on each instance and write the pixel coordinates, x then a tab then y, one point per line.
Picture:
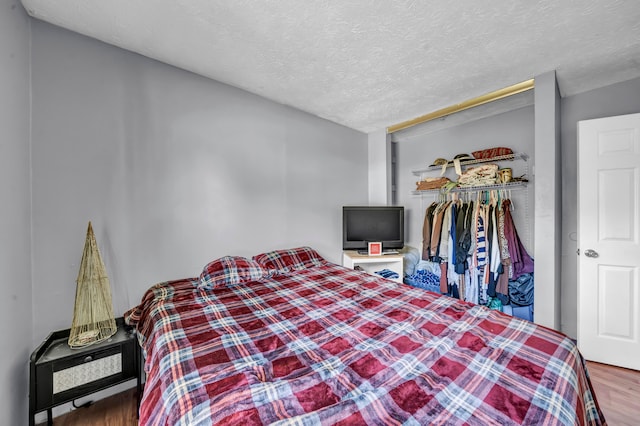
328	345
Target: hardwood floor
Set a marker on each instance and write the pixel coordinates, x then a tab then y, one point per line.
116	410
617	390
618	393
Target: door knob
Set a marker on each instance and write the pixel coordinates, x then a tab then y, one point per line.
591	253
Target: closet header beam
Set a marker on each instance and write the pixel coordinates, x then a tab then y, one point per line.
480	100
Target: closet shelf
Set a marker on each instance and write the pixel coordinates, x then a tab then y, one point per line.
514	156
509	185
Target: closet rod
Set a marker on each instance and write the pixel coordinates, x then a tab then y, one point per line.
480	100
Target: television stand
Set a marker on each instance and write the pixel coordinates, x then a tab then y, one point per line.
372	264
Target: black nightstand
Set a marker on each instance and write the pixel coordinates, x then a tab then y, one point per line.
59	374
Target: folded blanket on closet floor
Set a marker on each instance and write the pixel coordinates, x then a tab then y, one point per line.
388	273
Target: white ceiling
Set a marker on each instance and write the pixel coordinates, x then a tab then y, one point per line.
369	64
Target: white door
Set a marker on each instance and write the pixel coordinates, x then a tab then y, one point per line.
609	240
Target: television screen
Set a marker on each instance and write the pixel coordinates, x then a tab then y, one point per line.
364	224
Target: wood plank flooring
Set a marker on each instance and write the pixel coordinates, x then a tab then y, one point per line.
618	393
116	410
617	390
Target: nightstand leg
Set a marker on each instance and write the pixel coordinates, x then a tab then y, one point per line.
49	417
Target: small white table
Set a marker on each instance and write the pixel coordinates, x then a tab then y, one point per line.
372	264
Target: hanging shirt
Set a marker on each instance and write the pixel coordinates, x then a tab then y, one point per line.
463	237
452	276
520	259
502	240
452	234
471	295
481	243
436	232
495	247
443	247
426	231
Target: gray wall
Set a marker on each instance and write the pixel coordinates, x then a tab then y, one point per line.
514	129
618	99
173	170
15	258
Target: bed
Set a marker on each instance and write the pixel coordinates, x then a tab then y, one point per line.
288	338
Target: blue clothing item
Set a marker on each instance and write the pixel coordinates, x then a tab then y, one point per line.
481	243
424	279
524	312
494	303
521	290
388	273
452	231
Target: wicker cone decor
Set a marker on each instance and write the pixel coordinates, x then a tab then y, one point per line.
93	319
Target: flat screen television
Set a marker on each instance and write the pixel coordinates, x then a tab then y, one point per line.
364	224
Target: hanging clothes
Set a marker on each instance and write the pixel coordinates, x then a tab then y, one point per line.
436	234
520	259
426	231
451	248
442	249
502	285
476	246
481	242
463	233
452	276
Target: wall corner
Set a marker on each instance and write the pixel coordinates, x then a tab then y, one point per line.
379	160
548	201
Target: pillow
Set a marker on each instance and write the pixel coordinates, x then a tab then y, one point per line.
290	260
231	270
491	153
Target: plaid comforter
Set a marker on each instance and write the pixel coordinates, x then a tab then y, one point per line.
328	345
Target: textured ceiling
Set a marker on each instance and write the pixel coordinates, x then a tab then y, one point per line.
370	64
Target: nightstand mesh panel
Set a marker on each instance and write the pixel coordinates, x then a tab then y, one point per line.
88	372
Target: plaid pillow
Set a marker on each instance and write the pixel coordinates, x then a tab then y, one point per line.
290	260
230	270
